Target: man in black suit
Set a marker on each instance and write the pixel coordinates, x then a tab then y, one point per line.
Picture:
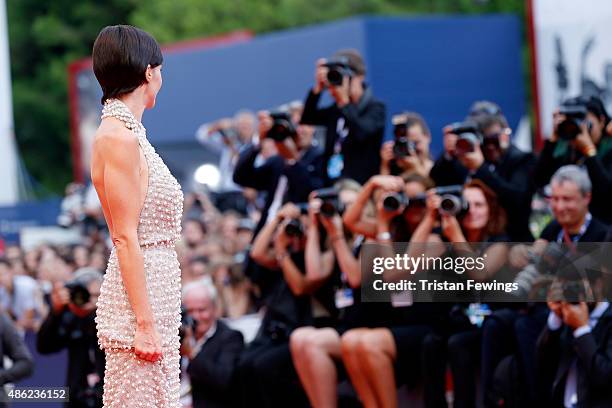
211	346
497	162
354	123
575	347
290	175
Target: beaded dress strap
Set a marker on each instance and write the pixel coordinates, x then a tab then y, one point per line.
116	109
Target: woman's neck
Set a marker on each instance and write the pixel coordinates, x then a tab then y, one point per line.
134	103
473	235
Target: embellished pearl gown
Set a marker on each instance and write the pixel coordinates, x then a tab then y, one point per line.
128	380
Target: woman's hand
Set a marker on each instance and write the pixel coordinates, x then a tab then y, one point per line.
386	155
314	208
281	239
288	211
432	203
332	225
384	216
147	343
451	229
387	183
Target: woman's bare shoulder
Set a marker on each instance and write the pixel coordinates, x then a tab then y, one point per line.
113	137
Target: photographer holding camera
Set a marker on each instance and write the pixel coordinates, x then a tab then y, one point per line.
355	123
288	176
574	351
408	152
580	137
480	148
266	372
71	325
213	349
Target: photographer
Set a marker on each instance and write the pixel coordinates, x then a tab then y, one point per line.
408	152
580	137
475	227
355	123
16	350
481	149
225	137
289	176
575	348
572	223
213	349
266	372
19	296
71	325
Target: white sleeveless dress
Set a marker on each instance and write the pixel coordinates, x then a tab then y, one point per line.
128	380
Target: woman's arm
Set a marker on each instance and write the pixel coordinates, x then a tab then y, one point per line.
353	216
300	283
121	180
316	262
260	250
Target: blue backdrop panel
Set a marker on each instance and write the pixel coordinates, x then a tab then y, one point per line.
434	65
27	214
201	86
438	66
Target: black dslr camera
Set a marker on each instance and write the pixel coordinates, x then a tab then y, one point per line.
282	126
338	68
468	136
575	112
451	200
402	147
294	227
186	322
331	203
79	294
394	201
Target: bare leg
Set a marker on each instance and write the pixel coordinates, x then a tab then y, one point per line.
351	348
313	352
378	353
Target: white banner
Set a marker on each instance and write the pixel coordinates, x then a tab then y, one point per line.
573	53
8	160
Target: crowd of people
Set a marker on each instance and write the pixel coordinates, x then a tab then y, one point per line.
303	190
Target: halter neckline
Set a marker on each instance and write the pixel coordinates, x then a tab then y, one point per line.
118	109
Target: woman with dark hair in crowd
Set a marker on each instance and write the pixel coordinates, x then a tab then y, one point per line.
138	314
479	231
385	353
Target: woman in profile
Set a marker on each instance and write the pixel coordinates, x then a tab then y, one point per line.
138	311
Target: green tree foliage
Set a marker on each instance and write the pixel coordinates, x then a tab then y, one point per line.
45	36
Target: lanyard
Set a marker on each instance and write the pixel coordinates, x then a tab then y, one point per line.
563	236
342	132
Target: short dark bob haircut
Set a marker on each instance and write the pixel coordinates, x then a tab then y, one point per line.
121	54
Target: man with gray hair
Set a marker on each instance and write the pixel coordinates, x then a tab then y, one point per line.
570	198
211	347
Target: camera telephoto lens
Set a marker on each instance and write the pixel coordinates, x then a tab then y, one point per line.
394	202
294	228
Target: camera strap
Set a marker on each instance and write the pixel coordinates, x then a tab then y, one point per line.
564	237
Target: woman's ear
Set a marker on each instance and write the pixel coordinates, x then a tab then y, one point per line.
149	73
